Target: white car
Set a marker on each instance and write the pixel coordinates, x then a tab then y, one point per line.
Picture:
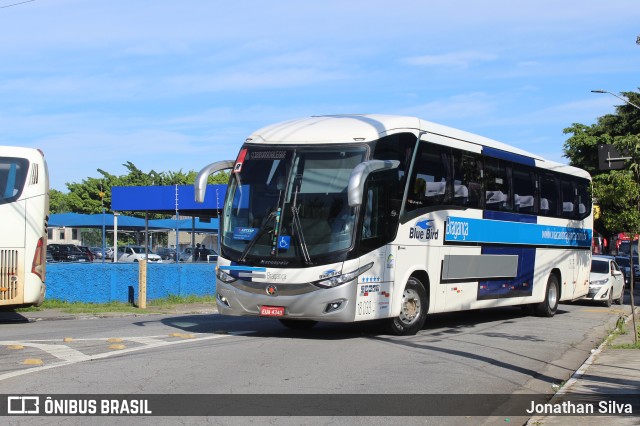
136	254
606	281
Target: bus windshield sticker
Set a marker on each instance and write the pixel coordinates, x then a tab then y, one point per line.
268	155
246	234
238	167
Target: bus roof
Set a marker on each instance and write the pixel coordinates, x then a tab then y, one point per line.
328	129
21	151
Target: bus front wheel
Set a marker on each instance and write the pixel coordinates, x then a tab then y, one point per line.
548	307
413	312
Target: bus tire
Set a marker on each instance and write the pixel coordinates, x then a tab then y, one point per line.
298	324
549	306
413	312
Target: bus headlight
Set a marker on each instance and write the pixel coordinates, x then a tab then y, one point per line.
338	280
224	277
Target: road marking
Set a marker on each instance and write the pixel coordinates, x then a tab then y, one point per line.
71	356
62	352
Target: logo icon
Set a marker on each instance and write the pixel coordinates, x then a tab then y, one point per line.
23	405
425	224
284	242
423	230
272	290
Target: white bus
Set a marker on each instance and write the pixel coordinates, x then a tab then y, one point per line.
24	210
361	217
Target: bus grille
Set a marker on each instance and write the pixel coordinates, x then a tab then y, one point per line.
8	275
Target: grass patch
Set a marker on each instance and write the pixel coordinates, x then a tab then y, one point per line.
95	308
623	328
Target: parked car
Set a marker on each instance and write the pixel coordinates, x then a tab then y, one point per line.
88	251
136	254
49	256
606	281
205	255
67	253
625	265
166	253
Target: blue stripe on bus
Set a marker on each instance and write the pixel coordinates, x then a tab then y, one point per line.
243	268
467	230
509	156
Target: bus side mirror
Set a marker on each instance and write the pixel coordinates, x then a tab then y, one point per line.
200	184
359	175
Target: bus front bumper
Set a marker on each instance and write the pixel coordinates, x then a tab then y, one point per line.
320	304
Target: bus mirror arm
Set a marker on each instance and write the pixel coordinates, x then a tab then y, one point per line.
359	177
200	184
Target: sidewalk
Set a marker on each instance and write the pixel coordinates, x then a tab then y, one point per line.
59	314
608	374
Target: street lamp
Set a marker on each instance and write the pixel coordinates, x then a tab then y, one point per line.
613	94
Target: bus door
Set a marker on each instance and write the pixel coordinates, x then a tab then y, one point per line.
379	224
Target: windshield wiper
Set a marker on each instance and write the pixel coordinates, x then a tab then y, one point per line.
263	230
298	228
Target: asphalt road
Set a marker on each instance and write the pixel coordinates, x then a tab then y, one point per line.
497	351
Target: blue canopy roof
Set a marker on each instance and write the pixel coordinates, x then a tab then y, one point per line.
78	220
167	199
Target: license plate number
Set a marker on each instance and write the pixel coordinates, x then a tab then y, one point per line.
272	311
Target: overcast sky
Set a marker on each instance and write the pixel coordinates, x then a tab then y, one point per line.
175	85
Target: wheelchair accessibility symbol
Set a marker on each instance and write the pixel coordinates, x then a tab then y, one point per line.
284	242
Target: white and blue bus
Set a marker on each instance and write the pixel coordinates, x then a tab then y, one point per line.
24	211
359	217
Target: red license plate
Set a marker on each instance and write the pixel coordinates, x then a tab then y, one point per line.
272	311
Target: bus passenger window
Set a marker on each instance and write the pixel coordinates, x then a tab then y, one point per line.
430	176
467	178
568	200
497	185
584	198
549	195
524	189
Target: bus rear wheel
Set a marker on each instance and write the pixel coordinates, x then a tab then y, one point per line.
549	306
298	324
413	312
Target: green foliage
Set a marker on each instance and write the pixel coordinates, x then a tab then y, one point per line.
92	194
617	192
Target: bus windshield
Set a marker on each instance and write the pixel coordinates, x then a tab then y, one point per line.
12	177
289	203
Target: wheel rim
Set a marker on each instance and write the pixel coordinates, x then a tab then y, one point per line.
411	307
553	295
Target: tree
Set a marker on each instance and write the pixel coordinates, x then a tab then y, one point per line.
92	194
615	191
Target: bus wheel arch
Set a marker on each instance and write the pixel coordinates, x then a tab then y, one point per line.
414	306
549	306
